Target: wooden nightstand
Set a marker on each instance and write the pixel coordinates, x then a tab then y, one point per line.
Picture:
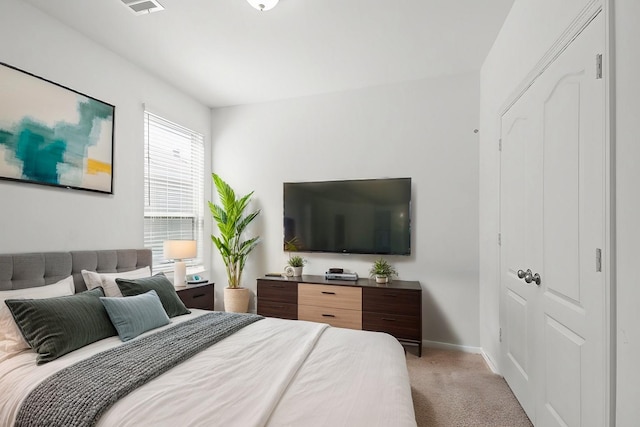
197	296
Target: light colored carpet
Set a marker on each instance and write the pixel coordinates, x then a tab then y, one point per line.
456	389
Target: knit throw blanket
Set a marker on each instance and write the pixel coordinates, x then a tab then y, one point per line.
79	394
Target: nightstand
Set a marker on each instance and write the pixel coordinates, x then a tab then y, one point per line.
197	296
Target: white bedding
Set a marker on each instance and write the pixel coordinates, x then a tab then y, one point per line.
271	373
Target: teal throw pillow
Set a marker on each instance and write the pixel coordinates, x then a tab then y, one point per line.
137	314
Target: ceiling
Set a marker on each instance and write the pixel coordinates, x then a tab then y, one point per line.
224	52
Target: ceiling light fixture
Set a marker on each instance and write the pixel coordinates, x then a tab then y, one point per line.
263	5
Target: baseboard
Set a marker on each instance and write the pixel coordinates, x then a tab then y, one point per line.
448	346
464	348
489	363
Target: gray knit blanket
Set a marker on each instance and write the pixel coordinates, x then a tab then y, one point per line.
79	394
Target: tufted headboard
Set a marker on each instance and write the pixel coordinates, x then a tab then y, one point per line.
29	270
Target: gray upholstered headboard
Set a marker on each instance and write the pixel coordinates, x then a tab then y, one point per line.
29	270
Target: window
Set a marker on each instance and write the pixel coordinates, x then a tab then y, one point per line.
173	187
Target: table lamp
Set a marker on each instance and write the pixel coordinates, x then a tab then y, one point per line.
179	250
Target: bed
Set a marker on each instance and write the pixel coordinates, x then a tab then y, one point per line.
271	372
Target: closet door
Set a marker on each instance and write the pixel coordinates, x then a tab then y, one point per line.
572	310
552	222
520	219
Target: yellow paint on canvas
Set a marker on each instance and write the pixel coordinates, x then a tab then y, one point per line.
95	167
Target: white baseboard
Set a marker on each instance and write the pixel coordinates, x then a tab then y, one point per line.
448	346
464	348
490	363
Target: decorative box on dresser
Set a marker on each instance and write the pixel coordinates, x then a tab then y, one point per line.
394	308
197	296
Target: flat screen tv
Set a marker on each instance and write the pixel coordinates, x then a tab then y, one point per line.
368	216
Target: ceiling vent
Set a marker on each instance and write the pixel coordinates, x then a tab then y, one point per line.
143	7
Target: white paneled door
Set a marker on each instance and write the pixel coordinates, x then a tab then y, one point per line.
553	234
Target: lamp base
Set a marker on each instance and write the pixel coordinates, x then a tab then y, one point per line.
180	274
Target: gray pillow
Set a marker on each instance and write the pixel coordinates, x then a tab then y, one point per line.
163	287
137	314
54	327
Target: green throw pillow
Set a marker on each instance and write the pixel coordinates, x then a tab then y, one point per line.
54	327
163	287
137	314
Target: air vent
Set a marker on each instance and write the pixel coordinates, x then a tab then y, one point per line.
143	7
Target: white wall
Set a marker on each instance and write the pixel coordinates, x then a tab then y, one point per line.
37	218
520	45
423	130
527	34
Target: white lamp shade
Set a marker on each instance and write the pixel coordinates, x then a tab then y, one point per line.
180	249
263	5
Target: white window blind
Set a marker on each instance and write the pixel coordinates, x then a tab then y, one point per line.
173	187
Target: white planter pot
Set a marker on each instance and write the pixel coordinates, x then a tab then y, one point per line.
292	271
382	279
236	300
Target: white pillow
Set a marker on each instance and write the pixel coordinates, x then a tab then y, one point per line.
108	280
11	339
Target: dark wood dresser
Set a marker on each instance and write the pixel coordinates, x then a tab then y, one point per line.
394	308
197	296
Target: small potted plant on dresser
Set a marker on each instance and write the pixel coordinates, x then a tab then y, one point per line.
295	265
382	271
231	221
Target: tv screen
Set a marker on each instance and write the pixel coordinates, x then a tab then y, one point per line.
369	216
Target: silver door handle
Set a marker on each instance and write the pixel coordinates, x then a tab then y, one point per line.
529	276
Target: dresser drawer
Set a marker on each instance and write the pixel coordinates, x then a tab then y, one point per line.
343	297
337	317
401	327
272	290
198	297
393	301
282	310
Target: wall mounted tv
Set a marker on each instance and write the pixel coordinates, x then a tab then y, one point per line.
368	216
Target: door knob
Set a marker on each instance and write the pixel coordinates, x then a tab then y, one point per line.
530	277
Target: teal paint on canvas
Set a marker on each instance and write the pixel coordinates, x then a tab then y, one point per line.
42	152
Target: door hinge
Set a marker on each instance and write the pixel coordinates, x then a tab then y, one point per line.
500	144
598	259
599	66
500	239
500	335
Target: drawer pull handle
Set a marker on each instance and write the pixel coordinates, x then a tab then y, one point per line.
388	320
277	286
328	293
198	295
328	315
390	295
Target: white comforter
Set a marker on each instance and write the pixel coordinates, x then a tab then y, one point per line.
271	373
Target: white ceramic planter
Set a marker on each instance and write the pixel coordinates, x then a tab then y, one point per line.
382	279
292	271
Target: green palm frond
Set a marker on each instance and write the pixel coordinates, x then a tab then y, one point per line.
232	222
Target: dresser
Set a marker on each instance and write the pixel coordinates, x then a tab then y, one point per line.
394	308
197	296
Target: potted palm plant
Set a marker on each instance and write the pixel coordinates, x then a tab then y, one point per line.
231	220
382	271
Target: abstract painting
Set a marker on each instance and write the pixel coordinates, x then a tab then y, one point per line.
53	135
